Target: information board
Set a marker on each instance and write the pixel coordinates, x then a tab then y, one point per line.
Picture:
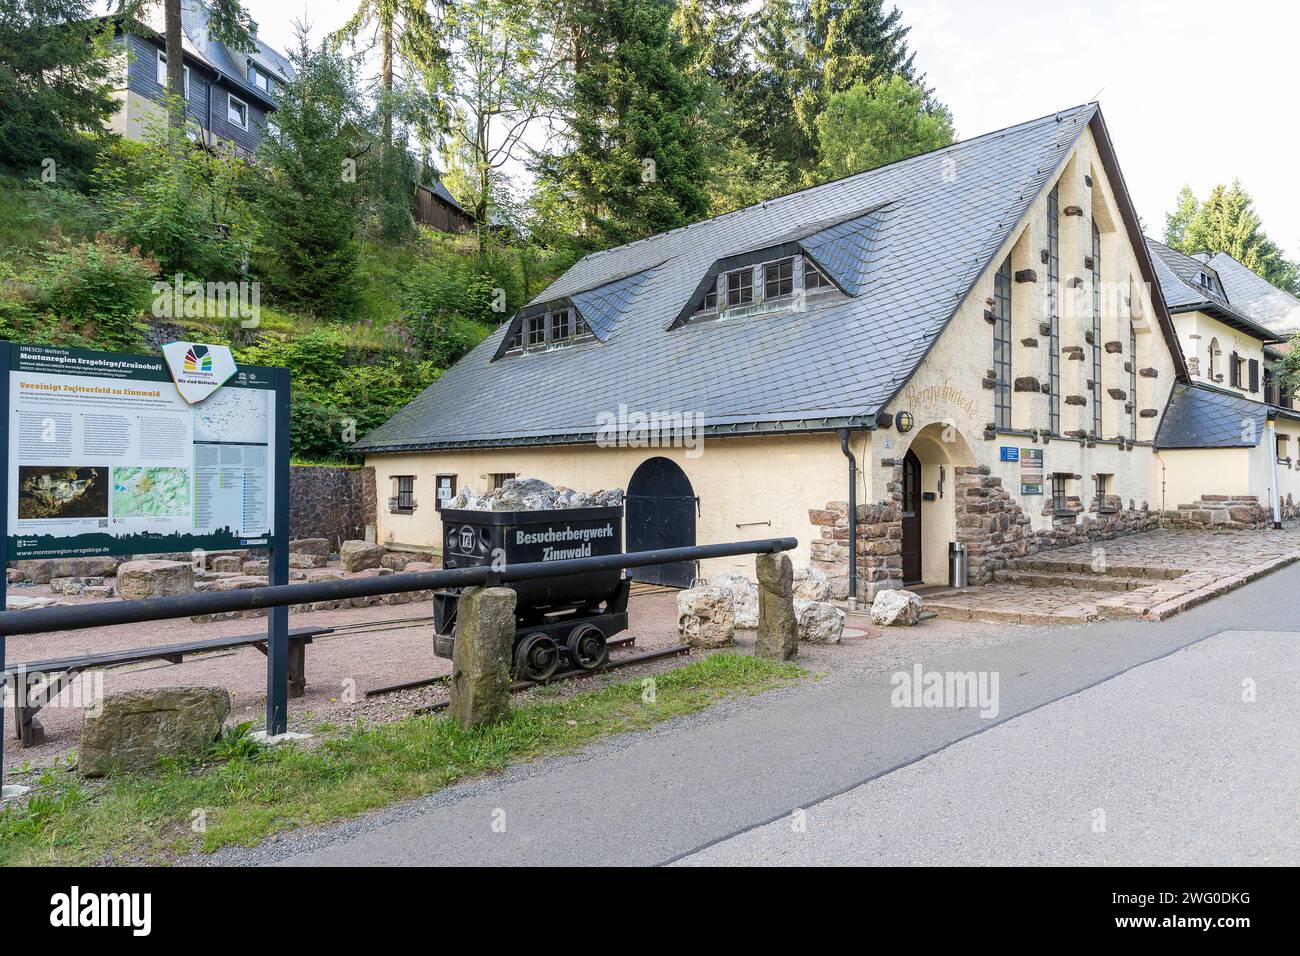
106	457
1031	471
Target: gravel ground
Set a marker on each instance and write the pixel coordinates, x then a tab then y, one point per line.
341	668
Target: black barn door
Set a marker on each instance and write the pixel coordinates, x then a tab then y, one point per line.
911	518
661	514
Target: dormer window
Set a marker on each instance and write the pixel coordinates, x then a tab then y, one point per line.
778	279
547	330
1206	281
536	331
740	287
813	278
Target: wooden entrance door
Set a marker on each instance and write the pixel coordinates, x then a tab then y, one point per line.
661	514
911	519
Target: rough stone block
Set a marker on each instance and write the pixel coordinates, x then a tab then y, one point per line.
134	728
811	585
819	622
147	579
895	607
778	628
42	570
744	596
360	555
706	616
480	670
317	546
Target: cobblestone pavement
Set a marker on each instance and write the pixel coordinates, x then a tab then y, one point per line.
1149	576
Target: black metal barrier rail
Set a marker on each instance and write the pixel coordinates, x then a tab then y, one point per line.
44	620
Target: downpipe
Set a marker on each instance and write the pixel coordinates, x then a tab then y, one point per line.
853	518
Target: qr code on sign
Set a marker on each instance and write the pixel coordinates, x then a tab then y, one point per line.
103	522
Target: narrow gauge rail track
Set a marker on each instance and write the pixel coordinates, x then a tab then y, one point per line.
642	658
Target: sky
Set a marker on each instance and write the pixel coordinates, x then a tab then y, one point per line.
1194	92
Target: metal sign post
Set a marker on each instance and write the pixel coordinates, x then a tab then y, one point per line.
4	516
277	618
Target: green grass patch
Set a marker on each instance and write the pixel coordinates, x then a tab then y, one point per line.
238	794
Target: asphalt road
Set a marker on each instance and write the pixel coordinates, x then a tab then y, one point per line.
1144	723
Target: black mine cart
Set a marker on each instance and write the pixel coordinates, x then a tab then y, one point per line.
567	617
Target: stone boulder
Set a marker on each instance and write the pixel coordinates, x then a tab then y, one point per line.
153	578
819	622
21	602
316	546
42	570
136	727
414	566
323	574
226	563
306	561
360	555
895	607
398	560
256	566
238	582
811	585
74	586
706	616
744	595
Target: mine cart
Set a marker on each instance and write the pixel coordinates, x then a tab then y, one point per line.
566	618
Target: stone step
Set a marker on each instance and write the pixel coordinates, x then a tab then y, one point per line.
1066	566
1059	579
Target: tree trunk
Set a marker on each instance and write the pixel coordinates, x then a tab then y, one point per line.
386	85
175	69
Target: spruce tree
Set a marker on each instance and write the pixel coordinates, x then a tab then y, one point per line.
55	89
1227	222
307	250
638	165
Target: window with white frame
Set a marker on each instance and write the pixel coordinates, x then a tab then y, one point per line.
259	79
237	111
778	281
162	73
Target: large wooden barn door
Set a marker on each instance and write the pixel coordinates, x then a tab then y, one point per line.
911	518
661	514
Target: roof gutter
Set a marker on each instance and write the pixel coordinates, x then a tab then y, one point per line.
853	518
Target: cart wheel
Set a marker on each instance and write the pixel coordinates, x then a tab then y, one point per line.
586	647
536	658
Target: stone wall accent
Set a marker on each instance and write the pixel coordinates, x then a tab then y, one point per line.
1221	513
879	545
337	503
996	530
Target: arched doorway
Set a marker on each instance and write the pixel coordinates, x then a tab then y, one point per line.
661	507
929	486
911	508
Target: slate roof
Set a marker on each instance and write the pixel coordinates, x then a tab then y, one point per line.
1199	416
1256	296
439	190
198	43
1177	273
944	215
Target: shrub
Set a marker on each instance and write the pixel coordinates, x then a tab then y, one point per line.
87	293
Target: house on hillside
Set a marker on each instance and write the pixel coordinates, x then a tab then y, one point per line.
1230	417
230	95
437	208
972	344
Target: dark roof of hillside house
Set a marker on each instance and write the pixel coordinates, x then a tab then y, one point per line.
904	243
1202	416
199	44
439	190
1184	292
1254	295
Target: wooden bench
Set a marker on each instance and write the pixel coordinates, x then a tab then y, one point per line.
36	683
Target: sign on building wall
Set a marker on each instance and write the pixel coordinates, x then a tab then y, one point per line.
1031	471
111	453
1007	453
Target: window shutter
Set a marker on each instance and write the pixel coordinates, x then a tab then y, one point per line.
1234	377
1254	375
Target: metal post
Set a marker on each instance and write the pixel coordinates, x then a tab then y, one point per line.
277	618
1274	493
853	517
4	516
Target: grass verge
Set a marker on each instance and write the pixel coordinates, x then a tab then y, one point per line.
238	793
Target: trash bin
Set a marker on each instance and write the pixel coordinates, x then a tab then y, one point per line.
958	565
